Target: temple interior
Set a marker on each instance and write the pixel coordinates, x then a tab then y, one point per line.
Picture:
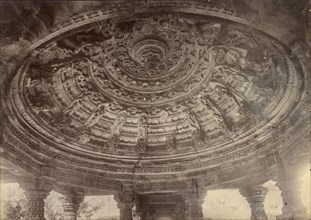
170	110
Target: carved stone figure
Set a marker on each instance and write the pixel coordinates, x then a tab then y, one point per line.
66	73
52	53
59	121
115	131
237	38
142	133
113	142
238	80
95	116
234	57
118	124
212	110
38	72
209	33
192	121
227	103
171	143
74	106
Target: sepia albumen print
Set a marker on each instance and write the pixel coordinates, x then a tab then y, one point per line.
155	110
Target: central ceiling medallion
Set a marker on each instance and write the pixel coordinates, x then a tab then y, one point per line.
151	53
152	63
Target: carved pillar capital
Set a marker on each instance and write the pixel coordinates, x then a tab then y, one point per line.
71	202
197	198
125	203
255	195
293	207
36	190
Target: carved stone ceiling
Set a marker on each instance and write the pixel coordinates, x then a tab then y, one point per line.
153	87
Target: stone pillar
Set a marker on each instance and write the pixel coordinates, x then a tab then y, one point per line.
255	195
193	206
71	203
36	191
125	203
293	207
180	211
144	212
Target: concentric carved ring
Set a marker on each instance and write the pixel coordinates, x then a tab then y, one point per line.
150	53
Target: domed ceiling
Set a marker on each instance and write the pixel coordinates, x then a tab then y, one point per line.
153	87
157	85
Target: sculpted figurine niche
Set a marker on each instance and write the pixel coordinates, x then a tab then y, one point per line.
118	124
115	131
76	104
171	143
231	56
192	121
227	103
51	54
73	107
142	133
95	116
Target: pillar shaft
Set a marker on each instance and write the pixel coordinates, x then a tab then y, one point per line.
125	203
126	213
180	212
71	203
36	191
293	207
35	206
145	212
255	195
194	212
193	206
